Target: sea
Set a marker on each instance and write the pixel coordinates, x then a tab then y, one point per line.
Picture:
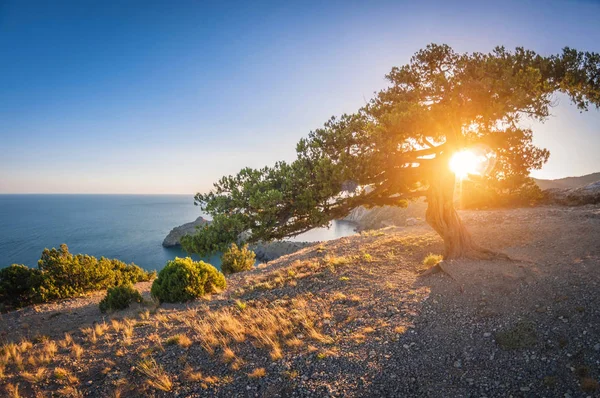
130	228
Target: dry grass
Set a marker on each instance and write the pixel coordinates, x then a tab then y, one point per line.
76	351
400	329
179	339
432	259
65	374
116	325
90	335
13	390
257	373
189	374
37	377
155	375
66	342
101	328
228	355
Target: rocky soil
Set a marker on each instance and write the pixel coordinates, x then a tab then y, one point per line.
347	318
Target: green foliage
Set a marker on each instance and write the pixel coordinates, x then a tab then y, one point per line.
119	298
398	145
215	236
183	279
68	275
61	274
18	285
237	259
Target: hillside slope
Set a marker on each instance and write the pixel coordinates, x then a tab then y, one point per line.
568	182
348	318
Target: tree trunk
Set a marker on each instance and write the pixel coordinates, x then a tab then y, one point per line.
444	219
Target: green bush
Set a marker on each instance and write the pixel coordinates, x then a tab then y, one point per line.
119	298
68	275
183	279
18	285
237	260
61	274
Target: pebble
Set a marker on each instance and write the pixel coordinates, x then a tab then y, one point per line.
597	347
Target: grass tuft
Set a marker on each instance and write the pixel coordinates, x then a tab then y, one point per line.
155	375
257	373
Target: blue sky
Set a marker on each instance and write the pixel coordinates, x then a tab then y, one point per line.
166	97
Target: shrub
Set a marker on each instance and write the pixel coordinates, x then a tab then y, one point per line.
61	274
183	279
119	298
237	259
18	285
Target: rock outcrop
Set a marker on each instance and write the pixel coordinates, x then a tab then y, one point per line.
265	251
386	216
589	194
174	237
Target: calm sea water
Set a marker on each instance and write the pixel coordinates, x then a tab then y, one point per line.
128	227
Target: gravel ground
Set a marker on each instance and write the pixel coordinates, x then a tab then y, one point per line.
354	318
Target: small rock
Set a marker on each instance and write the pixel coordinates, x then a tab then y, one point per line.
457	364
487	334
597	347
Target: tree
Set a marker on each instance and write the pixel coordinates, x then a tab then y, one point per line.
398	146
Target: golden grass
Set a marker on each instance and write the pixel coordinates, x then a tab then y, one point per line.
25	346
66	342
13	390
228	355
76	351
180	339
101	328
37	377
116	325
400	329
189	374
90	335
257	373
155	375
432	259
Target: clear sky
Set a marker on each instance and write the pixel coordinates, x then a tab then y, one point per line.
165	97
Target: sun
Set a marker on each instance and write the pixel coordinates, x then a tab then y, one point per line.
464	163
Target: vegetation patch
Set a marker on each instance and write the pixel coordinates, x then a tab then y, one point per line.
522	335
237	259
119	298
61	274
183	280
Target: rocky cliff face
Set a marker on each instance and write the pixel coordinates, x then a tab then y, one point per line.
174	237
